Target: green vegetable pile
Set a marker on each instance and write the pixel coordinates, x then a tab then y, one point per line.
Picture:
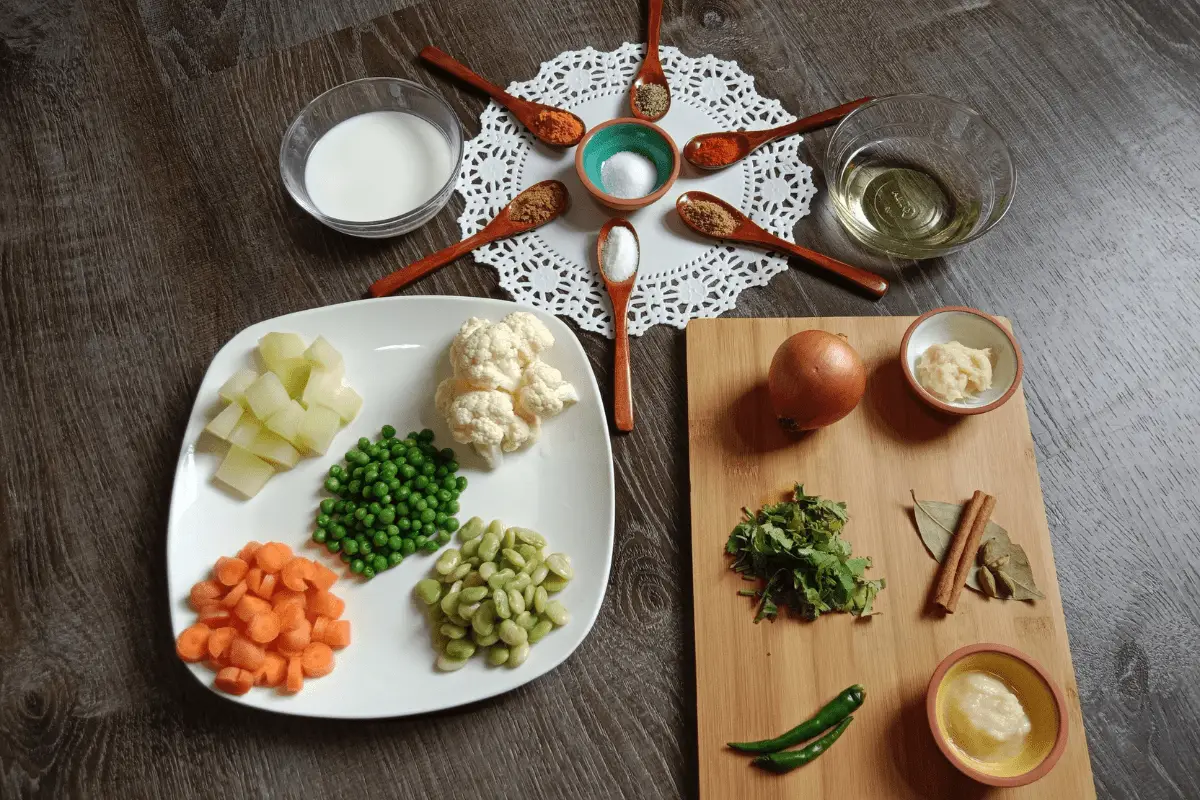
796	549
393	498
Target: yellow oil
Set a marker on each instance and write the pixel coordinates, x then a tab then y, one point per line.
906	205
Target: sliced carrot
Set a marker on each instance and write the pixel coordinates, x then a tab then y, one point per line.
297	638
273	670
235	594
192	644
266	586
283	597
337	634
215	617
263	627
205	593
234	680
245	653
295	574
319	626
272	556
253	579
326	604
218	643
250	605
295	675
322	577
230	570
247	552
291	617
317	660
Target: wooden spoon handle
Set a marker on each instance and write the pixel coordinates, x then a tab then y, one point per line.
652	28
419	269
869	282
622	390
464	73
814	122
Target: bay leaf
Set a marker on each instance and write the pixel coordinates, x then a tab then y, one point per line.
936	522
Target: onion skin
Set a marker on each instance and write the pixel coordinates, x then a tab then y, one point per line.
816	379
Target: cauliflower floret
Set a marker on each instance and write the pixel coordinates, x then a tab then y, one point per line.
532	334
486	421
543	392
486	357
447	390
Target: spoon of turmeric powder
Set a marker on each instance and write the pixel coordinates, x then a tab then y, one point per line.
554	126
720	150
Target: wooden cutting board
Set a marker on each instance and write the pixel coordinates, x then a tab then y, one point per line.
756	681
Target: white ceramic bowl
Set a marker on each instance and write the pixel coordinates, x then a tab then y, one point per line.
974	329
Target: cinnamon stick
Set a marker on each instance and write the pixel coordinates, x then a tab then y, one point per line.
971	550
945	596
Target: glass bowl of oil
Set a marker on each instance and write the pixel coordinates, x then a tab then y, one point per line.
918	176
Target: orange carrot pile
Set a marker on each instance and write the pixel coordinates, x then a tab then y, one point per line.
266	618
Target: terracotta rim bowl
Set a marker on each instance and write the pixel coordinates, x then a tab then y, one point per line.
619	203
1060	739
979	330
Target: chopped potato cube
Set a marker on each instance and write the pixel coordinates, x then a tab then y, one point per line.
275	449
293	374
234	389
243	471
266	395
322	353
286	421
346	402
317	429
222	424
322	386
276	348
245	432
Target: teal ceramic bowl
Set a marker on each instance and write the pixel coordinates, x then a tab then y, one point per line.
635	135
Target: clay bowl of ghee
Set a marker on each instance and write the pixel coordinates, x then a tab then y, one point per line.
970	705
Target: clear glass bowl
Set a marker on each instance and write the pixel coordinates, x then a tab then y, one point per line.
358	97
918	176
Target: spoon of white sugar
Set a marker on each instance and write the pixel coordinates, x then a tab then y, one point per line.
618	252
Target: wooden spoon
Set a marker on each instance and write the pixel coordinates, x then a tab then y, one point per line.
747	142
651	71
527	112
618	292
501	227
749	233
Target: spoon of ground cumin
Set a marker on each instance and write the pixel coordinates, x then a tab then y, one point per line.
530	209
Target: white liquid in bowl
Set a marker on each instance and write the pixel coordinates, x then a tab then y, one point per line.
377	165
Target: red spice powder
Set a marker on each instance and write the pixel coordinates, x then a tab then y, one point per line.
715	152
558	126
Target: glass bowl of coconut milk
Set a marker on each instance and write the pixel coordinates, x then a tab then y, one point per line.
375	157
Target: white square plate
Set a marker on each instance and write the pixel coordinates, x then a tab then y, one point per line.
396	352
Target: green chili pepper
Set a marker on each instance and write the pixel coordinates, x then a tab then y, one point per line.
834	712
785	762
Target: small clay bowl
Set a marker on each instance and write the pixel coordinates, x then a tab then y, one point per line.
1043	701
976	330
615	136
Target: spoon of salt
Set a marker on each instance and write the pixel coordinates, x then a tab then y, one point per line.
530	209
650	95
618	253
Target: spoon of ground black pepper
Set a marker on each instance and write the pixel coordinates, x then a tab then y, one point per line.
554	126
532	208
720	150
650	96
711	216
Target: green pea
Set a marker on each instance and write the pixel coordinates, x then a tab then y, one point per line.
428	469
350	546
432	502
319	536
368	521
380	563
388	431
365	547
425	435
364	444
404	524
460	483
419	540
338	531
394	543
332	484
357	566
334	547
431	546
428	515
408	547
394	558
450	525
442	538
408	471
451	466
380	539
368	572
328	505
346	558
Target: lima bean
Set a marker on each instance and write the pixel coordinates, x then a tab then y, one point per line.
497	656
485	640
500	601
530	593
530	537
429	590
460	648
539	574
516	602
466	610
461	571
447	664
510	633
489	546
554	584
501	578
509	539
484	620
449	603
496	528
539	631
519	583
447	561
527	552
513	557
487	569
472	529
452	631
473	594
558	613
472	580
540	598
560	565
518	654
525	620
470	547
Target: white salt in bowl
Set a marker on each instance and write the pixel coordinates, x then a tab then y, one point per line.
350	100
976	330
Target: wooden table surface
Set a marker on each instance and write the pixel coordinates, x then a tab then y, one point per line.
142	223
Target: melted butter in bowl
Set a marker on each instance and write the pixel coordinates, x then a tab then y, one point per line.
996	715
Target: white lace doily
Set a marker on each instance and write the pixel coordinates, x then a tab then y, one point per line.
681	275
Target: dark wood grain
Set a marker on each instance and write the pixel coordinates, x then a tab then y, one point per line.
142	223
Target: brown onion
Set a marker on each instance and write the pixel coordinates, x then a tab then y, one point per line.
816	379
